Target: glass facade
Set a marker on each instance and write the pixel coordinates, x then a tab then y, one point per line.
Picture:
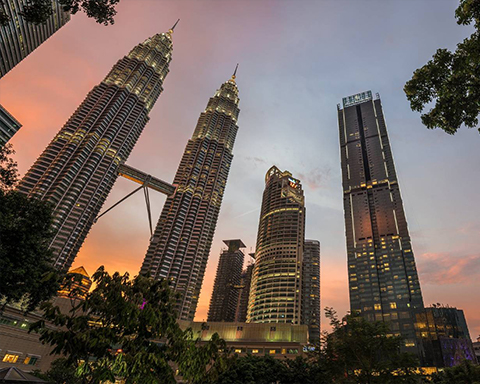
383	278
276	288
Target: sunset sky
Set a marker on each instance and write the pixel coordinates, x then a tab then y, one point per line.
297	60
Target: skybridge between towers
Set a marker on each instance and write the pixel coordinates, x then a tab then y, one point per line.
146	181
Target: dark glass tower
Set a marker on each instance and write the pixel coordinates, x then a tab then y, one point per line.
311	289
276	289
382	274
18	38
224	300
181	243
79	167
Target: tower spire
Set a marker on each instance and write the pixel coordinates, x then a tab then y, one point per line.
234	76
170	31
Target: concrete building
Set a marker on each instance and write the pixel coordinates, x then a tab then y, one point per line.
276	288
8	126
224	300
23	350
18	38
244	293
276	340
181	242
476	349
79	167
383	277
311	289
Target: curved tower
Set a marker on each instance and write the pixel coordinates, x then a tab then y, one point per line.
180	245
276	288
78	168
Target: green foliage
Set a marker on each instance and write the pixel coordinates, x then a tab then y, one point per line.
37	11
26	271
451	80
60	372
251	370
126	329
358	351
465	373
102	11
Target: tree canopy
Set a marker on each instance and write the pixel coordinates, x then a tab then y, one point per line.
127	329
38	11
451	80
26	270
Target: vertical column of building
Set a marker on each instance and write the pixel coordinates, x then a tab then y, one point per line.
78	168
180	245
19	38
275	294
311	289
244	293
224	300
383	278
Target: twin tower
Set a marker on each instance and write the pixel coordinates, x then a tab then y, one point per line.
77	170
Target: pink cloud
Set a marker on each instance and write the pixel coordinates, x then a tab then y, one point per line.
444	268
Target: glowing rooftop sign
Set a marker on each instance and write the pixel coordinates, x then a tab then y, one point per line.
356	99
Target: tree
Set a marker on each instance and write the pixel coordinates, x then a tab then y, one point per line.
251	370
38	11
60	372
26	270
465	373
451	79
358	351
126	329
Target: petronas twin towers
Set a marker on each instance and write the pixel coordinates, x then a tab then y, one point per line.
77	170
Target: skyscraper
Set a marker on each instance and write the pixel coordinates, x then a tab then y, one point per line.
18	38
79	167
181	243
275	292
244	293
224	300
311	288
8	126
382	274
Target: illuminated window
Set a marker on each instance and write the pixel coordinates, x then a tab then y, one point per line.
30	360
272	351
10	358
393	305
238	350
378	307
254	350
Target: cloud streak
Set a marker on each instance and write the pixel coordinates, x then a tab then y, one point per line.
444	268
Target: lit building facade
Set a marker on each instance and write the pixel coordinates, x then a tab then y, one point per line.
18	38
383	278
182	239
444	330
275	292
8	126
224	300
311	289
79	167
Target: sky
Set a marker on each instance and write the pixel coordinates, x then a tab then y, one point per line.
297	59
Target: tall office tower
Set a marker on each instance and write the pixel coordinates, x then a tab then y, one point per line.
311	289
383	278
275	292
181	243
18	38
79	167
244	293
8	126
224	300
